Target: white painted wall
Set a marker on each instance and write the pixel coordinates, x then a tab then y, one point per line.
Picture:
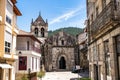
29	55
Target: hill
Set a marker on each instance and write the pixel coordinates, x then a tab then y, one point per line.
70	30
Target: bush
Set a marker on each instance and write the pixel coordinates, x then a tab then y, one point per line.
41	74
84	79
24	78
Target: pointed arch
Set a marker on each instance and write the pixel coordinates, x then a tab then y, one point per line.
36	31
42	32
62	63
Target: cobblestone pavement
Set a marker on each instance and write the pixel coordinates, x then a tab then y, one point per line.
59	76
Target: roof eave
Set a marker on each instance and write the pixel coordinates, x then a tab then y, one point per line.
16	10
14	1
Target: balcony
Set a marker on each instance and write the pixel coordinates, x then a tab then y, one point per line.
108	15
83	48
35	49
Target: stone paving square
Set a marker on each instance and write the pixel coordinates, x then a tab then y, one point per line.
59	76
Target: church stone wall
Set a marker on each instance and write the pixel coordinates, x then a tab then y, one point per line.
67	53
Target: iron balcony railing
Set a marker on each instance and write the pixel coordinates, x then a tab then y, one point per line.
107	15
29	49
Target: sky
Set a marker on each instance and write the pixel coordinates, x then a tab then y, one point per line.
59	13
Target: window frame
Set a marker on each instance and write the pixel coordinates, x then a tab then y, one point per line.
107	57
7	47
8	20
23	65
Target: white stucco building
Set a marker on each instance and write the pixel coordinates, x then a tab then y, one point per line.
28	49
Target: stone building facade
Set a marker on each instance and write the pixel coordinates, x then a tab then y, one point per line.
83	55
103	26
61	49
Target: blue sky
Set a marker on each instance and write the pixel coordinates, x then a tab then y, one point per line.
60	13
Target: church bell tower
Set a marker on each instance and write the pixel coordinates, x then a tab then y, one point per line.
39	28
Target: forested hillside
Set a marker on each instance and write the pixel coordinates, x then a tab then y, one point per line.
70	30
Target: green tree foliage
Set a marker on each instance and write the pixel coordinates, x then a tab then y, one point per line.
70	30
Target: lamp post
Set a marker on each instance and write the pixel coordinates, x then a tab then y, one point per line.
29	76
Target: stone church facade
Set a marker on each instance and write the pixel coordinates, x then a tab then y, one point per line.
62	52
58	51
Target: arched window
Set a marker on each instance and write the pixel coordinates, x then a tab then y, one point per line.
36	31
42	32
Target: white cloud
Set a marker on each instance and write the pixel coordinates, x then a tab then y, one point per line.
66	16
78	23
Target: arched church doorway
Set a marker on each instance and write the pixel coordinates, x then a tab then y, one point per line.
62	63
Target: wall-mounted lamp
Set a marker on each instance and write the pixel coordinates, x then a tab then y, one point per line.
20	52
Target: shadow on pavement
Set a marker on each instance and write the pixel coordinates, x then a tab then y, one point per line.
84	74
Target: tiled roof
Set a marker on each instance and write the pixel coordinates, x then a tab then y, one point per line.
21	32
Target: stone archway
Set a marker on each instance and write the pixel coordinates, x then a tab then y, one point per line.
62	63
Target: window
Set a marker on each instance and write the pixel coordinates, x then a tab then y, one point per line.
8	20
32	63
9	7
106	46
118	44
108	65
107	57
22	63
7	47
95	56
36	31
27	45
117	47
36	63
42	32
